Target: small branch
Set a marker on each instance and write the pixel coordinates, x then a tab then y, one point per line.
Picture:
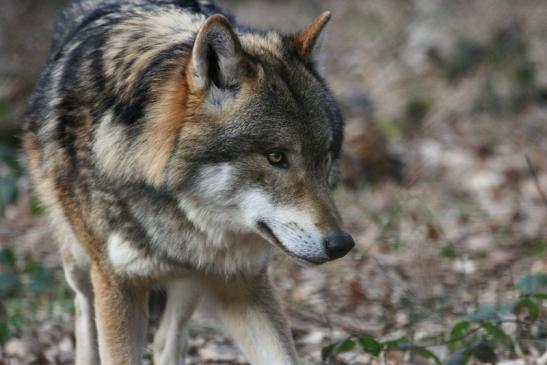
534	174
445	342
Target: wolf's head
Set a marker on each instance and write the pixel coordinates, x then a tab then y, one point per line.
261	140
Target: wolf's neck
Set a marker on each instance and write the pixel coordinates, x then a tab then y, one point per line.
145	58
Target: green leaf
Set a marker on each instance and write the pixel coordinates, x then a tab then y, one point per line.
530	305
425	353
7	257
539	296
337	348
4	325
468	54
8	192
9	283
449	252
36	208
40	278
496	332
402	343
485	313
504	308
344	346
4	330
370	345
460	357
531	283
459	330
10	157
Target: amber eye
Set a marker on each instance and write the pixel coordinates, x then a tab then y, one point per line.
278	159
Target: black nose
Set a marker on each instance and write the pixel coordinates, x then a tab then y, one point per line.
338	244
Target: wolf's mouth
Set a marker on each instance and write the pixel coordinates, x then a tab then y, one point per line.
268	232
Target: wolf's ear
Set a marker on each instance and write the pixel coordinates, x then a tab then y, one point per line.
216	56
308	43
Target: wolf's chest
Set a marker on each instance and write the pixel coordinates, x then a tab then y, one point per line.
162	260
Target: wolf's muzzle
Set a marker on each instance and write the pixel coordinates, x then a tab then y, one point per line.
338	244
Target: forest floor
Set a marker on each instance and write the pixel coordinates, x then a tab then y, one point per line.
444	189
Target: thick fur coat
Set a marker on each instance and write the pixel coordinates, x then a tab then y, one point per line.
175	148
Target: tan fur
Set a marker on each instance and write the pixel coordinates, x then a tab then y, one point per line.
32	153
122	313
252	314
161	135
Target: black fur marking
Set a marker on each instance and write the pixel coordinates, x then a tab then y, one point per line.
67	109
337	126
66	136
214	68
285	76
224	146
131	110
121	215
89	19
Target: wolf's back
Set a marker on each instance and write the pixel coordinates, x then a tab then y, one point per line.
78	13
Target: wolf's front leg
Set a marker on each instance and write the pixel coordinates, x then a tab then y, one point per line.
254	318
169	342
79	279
121	314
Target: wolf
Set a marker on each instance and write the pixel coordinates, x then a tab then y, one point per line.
175	148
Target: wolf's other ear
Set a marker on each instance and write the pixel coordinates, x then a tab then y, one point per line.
308	43
216	56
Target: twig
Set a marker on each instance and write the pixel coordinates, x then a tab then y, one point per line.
444	342
534	174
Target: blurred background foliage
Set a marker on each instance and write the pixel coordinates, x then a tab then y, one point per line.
444	182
